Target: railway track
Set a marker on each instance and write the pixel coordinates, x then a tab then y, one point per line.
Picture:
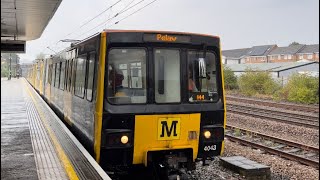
304	154
289	118
289	106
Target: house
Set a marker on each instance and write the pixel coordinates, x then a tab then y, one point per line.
271	53
309	52
285	54
258	54
234	56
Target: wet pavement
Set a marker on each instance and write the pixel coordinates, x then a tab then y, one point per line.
35	144
17	158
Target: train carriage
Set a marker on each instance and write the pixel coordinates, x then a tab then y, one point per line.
146	98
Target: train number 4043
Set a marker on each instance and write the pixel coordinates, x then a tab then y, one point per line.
210	148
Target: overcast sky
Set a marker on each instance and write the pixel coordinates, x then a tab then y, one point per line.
239	23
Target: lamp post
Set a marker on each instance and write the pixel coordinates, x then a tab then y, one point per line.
9	77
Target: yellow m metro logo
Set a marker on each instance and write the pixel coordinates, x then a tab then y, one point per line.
168	128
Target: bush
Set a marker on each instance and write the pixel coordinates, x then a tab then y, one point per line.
301	89
230	80
4	71
252	83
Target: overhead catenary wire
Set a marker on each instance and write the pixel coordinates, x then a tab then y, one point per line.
134	13
87	22
119	13
94	17
116	15
100	13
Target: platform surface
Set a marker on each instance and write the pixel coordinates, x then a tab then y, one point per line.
35	144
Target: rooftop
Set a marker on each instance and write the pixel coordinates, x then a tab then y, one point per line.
273	67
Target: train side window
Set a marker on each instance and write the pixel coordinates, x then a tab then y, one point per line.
56	84
62	75
80	76
66	75
54	75
50	74
90	76
70	73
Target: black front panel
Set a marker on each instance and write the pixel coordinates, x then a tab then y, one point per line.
211	121
113	152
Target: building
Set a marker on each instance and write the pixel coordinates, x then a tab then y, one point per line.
309	52
279	71
271	53
285	54
258	54
235	56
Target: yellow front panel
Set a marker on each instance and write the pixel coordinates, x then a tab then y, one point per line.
164	132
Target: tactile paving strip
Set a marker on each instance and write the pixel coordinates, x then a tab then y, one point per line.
48	164
80	163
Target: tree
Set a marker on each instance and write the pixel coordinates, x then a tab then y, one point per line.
5	58
14	57
230	80
294	43
301	88
253	83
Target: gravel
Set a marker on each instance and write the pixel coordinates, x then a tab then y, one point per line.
294	133
281	169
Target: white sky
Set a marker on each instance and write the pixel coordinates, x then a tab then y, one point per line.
239	23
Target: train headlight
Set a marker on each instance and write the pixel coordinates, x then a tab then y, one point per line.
124	139
207	134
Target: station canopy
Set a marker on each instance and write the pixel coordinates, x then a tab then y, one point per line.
24	20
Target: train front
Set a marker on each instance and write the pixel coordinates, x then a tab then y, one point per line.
163	100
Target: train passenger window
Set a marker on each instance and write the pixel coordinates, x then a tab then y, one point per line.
80	75
90	75
202	80
62	75
50	74
167	76
70	75
54	74
66	74
126	73
56	84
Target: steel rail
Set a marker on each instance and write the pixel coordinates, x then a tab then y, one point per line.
291	106
278	140
270	150
279	113
273	118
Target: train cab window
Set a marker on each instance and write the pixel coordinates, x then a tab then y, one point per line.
90	75
62	75
167	76
80	75
202	80
126	76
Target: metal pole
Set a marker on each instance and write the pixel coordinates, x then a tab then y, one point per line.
9	67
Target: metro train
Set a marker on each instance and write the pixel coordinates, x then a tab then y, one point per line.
153	99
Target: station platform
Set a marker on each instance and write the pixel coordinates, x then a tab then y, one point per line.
35	144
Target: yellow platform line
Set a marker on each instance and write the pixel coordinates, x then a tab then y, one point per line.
62	156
